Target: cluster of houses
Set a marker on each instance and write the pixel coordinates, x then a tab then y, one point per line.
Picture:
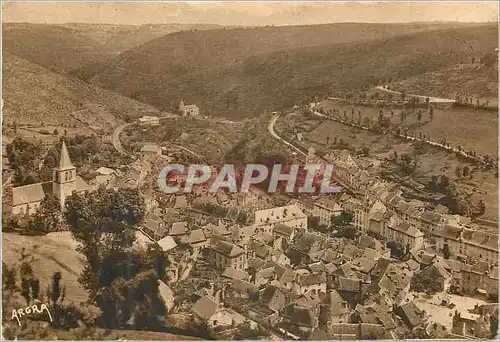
279	274
379	208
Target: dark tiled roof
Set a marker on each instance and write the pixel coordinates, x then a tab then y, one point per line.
412	313
311	279
283	229
227	249
349	285
269	293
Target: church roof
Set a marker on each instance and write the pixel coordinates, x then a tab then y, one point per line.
31	193
64	161
81	185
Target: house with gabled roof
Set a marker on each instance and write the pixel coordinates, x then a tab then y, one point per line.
310	282
274	298
178	229
411	314
224	254
403	232
337	309
434	277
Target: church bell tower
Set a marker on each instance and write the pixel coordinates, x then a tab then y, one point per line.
64	177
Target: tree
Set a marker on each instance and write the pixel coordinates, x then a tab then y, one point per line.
446	251
55	132
347	231
403	95
482	208
458	171
23	158
9	279
48	216
122	281
397	249
365	150
466	172
408	164
419	115
489	59
102	222
313	222
56	290
341	220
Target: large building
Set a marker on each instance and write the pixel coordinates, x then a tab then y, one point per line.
289	215
27	198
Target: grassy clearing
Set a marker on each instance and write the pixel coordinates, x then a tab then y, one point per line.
55	252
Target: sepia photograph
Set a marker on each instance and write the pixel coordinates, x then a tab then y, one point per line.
249	170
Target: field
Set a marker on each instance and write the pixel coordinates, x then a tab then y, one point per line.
473	129
54	252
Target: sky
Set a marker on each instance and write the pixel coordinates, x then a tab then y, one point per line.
247	13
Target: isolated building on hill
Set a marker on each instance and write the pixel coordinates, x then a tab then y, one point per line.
149	120
27	198
192	110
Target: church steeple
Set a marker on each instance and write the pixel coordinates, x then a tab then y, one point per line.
64	176
64	161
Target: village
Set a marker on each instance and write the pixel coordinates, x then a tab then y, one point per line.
110	245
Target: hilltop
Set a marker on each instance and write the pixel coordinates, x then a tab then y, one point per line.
34	94
278	67
80	49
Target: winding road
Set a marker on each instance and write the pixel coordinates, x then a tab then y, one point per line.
431	98
115	138
271	130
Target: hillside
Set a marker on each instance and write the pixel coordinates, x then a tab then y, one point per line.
80	49
33	94
456	81
227	78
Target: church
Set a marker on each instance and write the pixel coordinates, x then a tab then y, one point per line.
192	110
27	198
